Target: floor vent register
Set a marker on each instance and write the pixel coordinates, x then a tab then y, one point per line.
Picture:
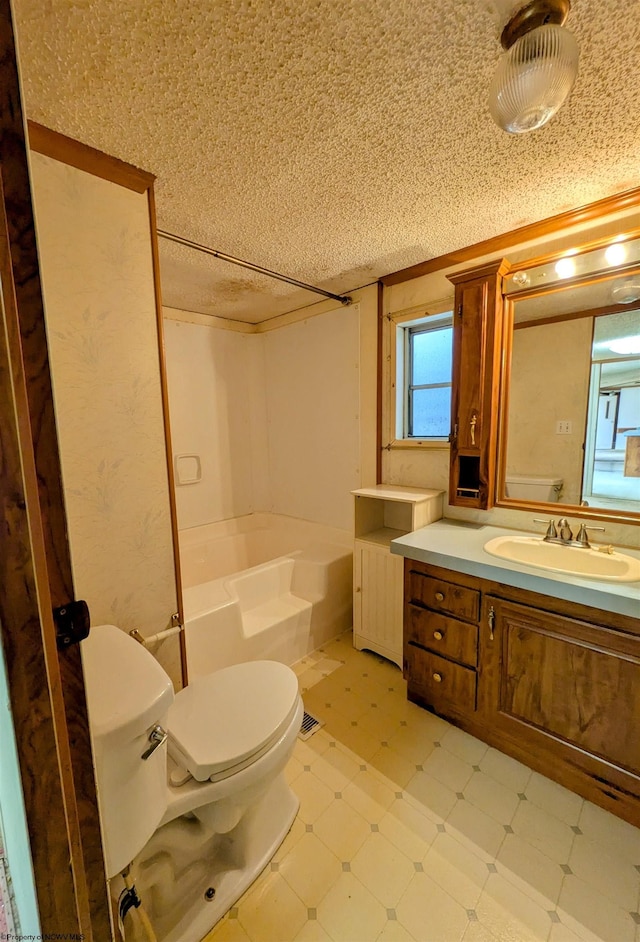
310	725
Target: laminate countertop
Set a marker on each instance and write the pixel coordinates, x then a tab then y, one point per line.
459	545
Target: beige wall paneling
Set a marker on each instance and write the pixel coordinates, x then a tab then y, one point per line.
97	271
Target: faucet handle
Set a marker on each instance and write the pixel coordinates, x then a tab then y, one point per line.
582	537
551	533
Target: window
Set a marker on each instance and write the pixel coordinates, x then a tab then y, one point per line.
428	392
417	362
423	378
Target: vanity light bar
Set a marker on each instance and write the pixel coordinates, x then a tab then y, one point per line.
616	254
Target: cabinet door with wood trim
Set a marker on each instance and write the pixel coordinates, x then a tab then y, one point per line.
477	339
567	687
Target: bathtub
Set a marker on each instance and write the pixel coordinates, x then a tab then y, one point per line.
263	586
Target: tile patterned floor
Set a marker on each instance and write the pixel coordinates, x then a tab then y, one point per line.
410	829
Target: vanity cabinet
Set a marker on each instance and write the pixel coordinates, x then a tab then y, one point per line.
563	679
441	642
477	354
549	682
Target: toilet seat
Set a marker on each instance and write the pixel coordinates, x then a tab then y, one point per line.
223	722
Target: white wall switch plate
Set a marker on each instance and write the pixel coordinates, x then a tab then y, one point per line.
563	427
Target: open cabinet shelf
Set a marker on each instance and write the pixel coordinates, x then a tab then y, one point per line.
381	514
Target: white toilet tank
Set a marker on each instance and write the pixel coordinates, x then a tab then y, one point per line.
128	693
533	487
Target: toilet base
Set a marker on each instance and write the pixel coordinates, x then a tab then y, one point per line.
183	860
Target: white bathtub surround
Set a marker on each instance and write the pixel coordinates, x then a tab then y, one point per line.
264	586
277	426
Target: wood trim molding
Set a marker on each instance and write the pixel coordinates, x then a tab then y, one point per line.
155	255
379	389
27	636
93	901
53	144
207	320
498	267
496	244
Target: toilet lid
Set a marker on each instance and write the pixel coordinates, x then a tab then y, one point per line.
222	720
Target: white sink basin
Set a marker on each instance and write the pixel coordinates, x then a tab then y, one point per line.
576	561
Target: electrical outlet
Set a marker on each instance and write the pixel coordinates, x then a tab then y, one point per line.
563	427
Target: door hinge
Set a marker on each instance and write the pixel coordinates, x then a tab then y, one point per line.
72	623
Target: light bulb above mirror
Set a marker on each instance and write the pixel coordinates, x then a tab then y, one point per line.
537	72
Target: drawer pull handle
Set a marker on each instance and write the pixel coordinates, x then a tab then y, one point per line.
491	619
437	678
437	635
440	596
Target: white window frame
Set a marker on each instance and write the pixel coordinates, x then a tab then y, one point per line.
424	326
395	397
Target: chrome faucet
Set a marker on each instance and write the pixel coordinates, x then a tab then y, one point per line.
564	535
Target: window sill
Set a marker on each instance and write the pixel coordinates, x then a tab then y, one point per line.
417	443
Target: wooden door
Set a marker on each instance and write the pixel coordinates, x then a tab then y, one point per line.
568	693
46	685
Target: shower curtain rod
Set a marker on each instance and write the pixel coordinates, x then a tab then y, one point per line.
171	237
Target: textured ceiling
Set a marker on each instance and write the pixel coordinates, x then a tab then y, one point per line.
332	140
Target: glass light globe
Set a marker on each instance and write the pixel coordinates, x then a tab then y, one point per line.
533	79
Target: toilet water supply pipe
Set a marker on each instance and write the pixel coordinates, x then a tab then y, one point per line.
139	909
159	636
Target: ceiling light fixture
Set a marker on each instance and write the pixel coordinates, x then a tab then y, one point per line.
626	291
626	346
538	69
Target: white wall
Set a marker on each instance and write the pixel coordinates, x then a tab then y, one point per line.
282	413
217	407
312	391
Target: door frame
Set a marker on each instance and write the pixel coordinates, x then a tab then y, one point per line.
46	685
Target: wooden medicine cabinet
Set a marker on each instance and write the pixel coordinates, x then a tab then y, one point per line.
477	353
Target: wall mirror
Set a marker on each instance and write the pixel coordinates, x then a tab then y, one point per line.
570	396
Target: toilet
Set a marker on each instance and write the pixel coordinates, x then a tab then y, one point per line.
191	786
532	487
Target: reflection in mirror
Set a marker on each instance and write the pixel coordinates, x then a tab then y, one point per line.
573	422
612	443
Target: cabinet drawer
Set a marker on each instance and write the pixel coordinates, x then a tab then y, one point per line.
442	635
445	597
441	683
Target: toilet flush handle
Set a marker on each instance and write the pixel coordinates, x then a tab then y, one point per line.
157	736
